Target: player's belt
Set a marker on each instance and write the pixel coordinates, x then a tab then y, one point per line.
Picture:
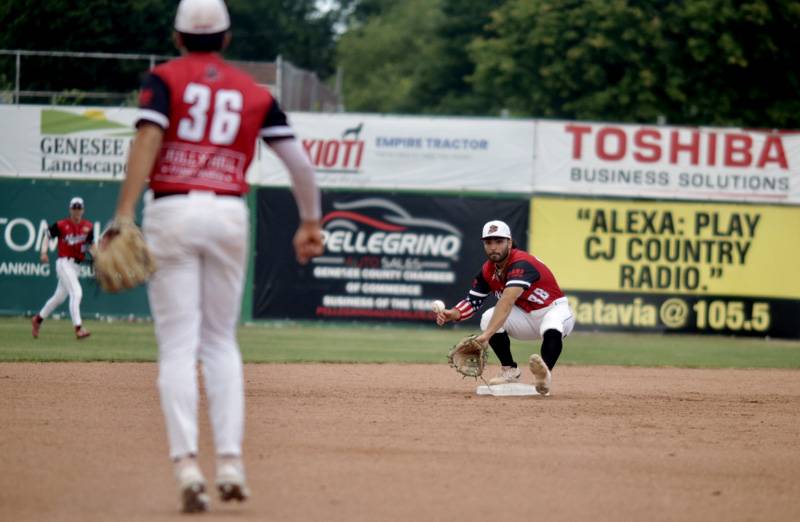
158	195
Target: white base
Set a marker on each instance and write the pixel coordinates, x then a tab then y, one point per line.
509	389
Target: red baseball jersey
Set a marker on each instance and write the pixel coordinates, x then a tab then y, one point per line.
522	270
212	113
73	239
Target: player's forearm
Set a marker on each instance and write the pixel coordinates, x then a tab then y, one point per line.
141	158
465	310
501	312
304	184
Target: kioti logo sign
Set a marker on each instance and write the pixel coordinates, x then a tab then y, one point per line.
343	155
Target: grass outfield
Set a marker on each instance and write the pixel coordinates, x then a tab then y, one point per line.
324	342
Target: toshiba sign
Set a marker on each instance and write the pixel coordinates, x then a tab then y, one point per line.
671	162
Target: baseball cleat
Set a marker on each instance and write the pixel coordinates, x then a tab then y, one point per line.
192	488
231	483
194	499
82	333
508	374
36	324
228	492
542	378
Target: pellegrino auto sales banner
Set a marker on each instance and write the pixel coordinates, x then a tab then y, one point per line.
387	257
681	267
667	162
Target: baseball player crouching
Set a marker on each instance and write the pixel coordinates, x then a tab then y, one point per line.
530	306
75	236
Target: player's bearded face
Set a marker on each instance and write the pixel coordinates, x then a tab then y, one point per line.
497	248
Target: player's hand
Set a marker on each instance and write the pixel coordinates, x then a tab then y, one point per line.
308	241
483	339
43	257
445	316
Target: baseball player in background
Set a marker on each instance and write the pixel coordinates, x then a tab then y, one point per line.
75	236
197	127
530	306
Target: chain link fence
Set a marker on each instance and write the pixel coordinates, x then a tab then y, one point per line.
72	79
301	90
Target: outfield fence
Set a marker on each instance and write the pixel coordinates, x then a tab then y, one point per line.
647	228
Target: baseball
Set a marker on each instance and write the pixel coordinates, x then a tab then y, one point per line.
438	306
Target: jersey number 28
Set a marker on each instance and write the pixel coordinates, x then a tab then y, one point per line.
225	118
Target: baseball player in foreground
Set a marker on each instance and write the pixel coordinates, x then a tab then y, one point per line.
530	306
75	236
197	127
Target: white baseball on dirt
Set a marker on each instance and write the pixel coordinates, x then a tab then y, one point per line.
438	306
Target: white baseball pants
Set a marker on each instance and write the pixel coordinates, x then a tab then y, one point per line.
68	285
199	242
531	326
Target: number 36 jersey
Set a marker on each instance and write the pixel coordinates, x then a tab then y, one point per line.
522	270
212	113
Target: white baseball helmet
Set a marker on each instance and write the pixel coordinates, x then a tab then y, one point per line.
76	202
202	17
496	228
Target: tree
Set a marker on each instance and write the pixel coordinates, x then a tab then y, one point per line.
442	87
694	62
140	26
412	56
262	29
383	57
739	62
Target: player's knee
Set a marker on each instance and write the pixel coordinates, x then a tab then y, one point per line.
552	334
175	374
551	326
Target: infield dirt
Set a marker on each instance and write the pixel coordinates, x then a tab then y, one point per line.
337	442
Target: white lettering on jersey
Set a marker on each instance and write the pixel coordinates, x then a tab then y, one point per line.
225	120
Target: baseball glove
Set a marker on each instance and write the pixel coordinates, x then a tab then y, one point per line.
121	257
468	357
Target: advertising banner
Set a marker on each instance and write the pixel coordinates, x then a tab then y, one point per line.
28	208
354	151
396	152
686	267
367	151
387	257
727	164
65	142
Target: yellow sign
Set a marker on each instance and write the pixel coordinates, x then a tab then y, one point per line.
662	247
